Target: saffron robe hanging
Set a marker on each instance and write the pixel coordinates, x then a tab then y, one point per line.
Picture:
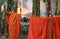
14	26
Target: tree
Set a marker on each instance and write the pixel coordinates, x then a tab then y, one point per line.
58	10
56	7
10	4
36	8
1	2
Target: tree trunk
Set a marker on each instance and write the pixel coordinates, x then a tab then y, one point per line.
53	9
58	10
36	8
56	7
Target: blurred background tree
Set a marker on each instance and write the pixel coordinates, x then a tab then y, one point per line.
36	8
10	4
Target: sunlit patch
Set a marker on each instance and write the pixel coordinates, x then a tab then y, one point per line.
21	10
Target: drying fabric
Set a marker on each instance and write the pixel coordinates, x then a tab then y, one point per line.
57	26
50	28
37	28
14	26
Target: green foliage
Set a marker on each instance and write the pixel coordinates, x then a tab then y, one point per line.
1	2
10	4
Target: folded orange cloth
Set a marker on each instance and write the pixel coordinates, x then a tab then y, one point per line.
14	25
37	28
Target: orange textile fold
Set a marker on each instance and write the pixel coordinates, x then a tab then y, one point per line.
57	26
14	25
50	28
37	28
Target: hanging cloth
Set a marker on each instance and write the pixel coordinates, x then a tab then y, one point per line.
57	26
14	25
50	28
37	28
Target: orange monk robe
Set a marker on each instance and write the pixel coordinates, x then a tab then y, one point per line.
37	28
57	26
14	26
